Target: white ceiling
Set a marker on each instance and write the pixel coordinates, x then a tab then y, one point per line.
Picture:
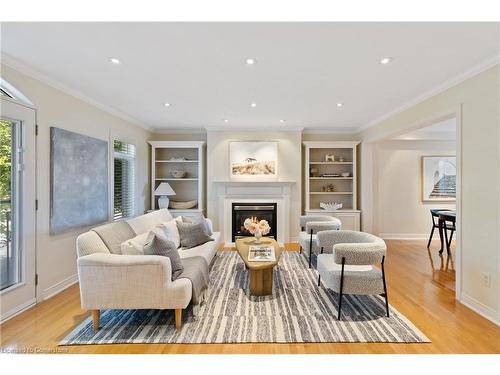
302	70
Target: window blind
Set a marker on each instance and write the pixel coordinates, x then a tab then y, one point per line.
124	180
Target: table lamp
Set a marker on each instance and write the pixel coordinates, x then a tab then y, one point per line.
164	190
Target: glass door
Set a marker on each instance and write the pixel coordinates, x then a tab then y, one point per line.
10	272
17	208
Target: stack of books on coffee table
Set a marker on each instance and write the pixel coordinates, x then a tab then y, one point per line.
261	253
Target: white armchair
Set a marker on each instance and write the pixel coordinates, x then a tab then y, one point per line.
350	269
310	226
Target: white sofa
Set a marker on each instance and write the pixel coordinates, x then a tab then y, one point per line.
116	281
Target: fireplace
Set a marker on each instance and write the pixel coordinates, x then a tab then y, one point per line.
257	211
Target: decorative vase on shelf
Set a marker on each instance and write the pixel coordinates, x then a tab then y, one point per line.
258	236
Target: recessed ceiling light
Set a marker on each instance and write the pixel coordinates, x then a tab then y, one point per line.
115	61
253	105
386	60
282	121
250	61
166	104
340	105
225	120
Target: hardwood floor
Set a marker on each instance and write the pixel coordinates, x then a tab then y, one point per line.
420	286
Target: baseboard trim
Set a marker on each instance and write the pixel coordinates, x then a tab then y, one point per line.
18	310
58	288
483	310
403	236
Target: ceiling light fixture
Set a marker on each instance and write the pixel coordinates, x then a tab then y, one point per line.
386	60
166	104
115	61
340	105
282	121
250	61
253	105
225	120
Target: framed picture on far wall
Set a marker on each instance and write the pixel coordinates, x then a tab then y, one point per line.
439	178
255	159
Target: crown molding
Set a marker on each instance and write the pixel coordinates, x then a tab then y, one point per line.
342	130
490	63
179	131
228	128
23	68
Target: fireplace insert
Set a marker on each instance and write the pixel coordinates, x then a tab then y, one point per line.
256	211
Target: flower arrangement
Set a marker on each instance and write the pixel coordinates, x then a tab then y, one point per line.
257	228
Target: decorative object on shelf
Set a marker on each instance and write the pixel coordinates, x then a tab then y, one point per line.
182	158
328	188
345	174
330	175
164	190
178	174
314	172
341	159
329	157
183	205
439	178
330	206
257	228
253	159
78	178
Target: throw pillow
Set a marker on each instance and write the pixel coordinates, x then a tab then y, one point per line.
157	245
199	219
169	231
192	234
135	246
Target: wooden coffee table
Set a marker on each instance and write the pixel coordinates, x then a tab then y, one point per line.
261	273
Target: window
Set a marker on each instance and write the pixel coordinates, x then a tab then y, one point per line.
10	264
9	91
4	93
124	180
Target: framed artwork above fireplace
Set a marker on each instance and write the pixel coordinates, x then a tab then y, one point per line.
253	159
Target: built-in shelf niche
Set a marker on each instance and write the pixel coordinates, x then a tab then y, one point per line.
318	171
168	156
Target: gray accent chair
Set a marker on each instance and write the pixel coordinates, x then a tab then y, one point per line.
310	226
350	269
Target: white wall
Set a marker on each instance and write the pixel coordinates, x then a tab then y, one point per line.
476	100
56	254
398	208
289	160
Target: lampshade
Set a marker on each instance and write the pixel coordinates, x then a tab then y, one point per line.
164	189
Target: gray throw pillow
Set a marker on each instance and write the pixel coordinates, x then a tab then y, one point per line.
198	219
192	234
155	245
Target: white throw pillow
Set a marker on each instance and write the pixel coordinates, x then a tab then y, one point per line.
169	231
135	246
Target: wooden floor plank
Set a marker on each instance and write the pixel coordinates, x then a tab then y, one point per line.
420	286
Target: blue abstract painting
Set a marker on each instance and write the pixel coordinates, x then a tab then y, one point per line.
79	180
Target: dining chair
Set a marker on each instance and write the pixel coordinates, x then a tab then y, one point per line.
435	222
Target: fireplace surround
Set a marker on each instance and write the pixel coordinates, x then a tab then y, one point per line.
256	211
228	192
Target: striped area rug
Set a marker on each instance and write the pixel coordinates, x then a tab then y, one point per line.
298	311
